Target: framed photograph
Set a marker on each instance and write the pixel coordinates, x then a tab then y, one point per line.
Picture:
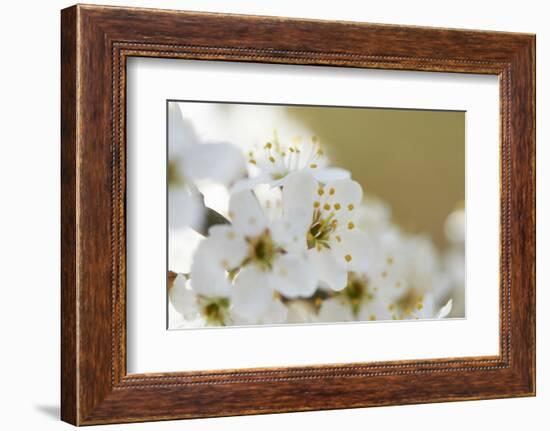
264	214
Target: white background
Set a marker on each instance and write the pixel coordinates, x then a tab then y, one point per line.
153	349
29	228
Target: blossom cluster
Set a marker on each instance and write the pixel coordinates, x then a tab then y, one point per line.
294	241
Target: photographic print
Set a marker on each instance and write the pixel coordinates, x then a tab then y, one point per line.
295	214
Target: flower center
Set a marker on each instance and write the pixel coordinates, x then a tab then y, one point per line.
262	250
320	230
411	301
281	159
357	291
214	311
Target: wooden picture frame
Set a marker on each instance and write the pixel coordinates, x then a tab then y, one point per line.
95	43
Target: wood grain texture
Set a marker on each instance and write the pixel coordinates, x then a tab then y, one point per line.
68	218
96	41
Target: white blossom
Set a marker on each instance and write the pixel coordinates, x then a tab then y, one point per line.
220	162
257	255
274	162
335	244
358	301
199	309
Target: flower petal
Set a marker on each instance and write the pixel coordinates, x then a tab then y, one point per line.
300	311
335	310
251	294
250	182
326	175
208	276
342	196
218	162
270	200
185	208
329	271
227	247
455	227
445	310
286	236
293	276
246	214
299	193
275	314
183	299
352	249
182	244
181	135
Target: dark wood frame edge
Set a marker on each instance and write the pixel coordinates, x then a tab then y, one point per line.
95	43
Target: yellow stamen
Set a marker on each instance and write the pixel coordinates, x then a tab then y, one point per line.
350	207
337	206
347	257
351	225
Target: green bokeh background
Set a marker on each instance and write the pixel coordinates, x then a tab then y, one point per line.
414	160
